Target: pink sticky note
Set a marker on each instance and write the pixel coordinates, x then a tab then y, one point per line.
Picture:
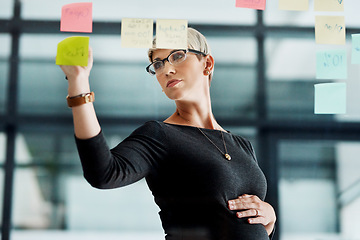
76	17
255	4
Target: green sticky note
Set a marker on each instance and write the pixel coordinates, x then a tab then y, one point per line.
355	58
331	64
330	98
73	51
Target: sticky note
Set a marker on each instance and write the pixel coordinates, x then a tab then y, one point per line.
171	33
73	51
294	5
331	64
330	30
355	57
254	4
330	98
76	17
136	33
329	5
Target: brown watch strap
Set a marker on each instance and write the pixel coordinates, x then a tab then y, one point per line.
80	99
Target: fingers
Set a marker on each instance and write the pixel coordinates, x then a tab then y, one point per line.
253	208
257	220
73	72
245	202
254	216
248	213
90	57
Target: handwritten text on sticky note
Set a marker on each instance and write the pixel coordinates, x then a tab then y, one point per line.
171	34
254	4
330	30
76	17
331	64
355	58
330	98
136	33
73	51
329	5
294	5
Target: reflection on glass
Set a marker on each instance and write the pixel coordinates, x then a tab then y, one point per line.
233	91
2	147
214	12
319	189
6	7
4	68
275	16
50	191
2	174
3	85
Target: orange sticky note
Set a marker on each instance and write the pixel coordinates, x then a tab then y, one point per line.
73	51
254	4
76	17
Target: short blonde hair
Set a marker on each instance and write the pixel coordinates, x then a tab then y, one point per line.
196	41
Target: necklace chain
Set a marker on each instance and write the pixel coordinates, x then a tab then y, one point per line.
226	154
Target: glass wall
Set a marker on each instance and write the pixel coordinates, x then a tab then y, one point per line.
318	184
262	89
291	89
2	160
4	68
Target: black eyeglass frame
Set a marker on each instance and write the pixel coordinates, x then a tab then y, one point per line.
167	58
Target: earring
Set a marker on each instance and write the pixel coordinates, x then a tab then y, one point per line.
206	72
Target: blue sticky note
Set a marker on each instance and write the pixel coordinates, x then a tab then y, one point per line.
355	58
331	64
330	98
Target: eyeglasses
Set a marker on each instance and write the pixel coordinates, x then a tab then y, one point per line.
175	57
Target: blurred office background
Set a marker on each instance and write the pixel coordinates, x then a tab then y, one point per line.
263	89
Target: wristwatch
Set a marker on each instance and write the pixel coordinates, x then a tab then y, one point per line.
80	99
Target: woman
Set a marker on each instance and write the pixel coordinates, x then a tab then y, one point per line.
205	180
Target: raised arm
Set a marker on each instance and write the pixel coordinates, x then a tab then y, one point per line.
86	124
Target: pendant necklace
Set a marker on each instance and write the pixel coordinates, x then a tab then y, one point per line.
225	154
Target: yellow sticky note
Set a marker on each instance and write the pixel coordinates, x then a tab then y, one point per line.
73	51
171	33
330	30
294	5
329	5
136	33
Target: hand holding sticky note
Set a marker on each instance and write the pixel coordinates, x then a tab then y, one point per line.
76	17
330	98
73	51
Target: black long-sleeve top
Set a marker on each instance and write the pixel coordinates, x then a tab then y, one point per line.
190	179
